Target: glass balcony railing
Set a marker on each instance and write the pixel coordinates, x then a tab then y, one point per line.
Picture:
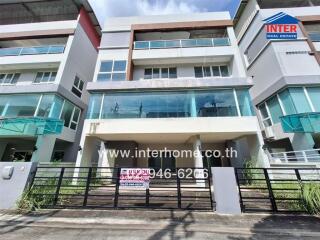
182	43
301	123
19	51
315	36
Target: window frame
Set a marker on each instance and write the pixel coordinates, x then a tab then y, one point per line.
3	83
204	73
160	73
42	76
112	70
77	86
268	118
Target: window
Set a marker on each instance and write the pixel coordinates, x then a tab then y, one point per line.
266	119
9	78
19	105
44	77
156	73
215	71
244	101
314	94
274	109
77	86
71	115
21	156
112	70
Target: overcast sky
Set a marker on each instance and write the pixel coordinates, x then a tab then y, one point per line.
118	8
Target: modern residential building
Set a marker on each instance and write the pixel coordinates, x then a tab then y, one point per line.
174	82
48	51
286	77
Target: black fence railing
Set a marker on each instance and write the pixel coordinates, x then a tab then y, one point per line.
274	189
95	187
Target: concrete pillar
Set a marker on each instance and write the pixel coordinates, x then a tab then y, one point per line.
257	153
45	146
198	162
3	146
105	161
226	193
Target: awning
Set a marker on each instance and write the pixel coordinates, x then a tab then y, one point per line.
301	123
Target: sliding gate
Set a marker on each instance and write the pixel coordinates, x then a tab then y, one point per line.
93	187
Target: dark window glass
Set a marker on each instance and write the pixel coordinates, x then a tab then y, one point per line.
172	72
148	73
104	77
164	73
118	76
215	71
76	91
206	72
53	76
224	71
156	73
119	66
106	66
198	72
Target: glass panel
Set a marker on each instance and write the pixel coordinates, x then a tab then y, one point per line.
104	77
67	113
155	73
46	77
53	76
56	107
56	49
20	105
172	72
265	116
76	91
206	72
8	78
81	85
215	71
118	76
106	66
204	42
2	77
38	77
244	101
287	102
172	43
34	50
198	72
76	81
299	99
314	94
148	73
224	71
141	45
216	103
164	73
45	106
188	43
9	51
221	42
157	44
94	106
119	66
15	78
76	115
275	109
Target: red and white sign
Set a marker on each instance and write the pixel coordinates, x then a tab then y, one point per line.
137	178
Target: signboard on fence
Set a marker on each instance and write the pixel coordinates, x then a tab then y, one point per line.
135	178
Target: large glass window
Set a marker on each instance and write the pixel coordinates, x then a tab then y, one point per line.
216	103
287	102
299	99
44	77
266	119
94	106
167	104
112	70
67	113
314	94
244	101
274	109
19	105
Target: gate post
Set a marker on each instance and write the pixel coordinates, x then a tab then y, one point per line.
226	193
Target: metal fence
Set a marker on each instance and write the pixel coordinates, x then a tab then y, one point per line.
94	187
274	189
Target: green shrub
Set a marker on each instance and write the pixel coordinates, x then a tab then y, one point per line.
311	197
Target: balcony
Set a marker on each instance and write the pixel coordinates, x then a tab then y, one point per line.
304	156
182	43
301	123
36	50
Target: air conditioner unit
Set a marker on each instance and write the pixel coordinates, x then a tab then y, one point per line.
269	132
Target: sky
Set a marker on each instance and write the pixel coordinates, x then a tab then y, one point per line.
121	8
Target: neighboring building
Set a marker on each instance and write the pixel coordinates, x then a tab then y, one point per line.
175	81
48	51
286	76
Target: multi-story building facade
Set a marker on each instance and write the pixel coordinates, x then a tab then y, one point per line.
174	82
286	77
48	51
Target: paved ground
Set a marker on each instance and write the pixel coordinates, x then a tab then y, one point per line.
125	224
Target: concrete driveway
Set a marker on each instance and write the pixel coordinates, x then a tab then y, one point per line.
134	224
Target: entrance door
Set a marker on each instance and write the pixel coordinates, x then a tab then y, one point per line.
209	160
162	160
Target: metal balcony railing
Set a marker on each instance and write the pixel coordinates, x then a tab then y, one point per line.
182	43
304	156
36	50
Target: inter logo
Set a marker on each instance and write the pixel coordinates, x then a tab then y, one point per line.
281	26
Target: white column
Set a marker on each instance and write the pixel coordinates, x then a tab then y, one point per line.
105	161
45	145
257	153
198	163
